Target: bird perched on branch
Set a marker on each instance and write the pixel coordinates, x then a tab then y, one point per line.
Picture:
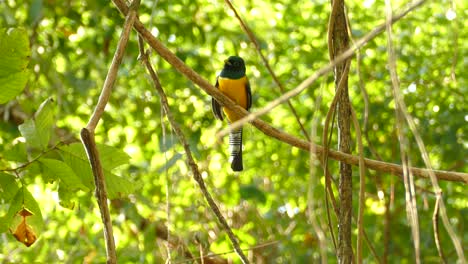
234	84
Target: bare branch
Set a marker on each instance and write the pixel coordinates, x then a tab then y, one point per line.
193	166
338	43
362	186
252	38
312	204
112	73
435	224
327	68
271	131
401	110
87	135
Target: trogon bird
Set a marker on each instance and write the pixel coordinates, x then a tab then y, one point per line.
234	84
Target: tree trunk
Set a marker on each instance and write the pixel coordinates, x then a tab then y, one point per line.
338	43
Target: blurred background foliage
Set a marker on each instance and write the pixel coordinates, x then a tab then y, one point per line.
72	44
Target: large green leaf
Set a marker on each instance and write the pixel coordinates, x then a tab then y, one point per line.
75	157
119	187
14	58
59	169
112	157
69	182
37	131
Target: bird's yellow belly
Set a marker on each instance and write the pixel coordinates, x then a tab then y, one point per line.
236	90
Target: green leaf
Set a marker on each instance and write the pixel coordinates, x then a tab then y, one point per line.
119	187
75	156
8	186
44	119
59	169
37	131
112	157
14	58
23	199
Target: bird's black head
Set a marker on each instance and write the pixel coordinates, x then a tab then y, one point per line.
234	67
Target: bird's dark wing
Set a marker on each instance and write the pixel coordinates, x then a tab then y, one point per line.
215	105
249	95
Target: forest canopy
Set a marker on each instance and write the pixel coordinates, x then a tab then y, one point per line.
54	60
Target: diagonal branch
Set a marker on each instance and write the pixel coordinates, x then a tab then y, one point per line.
408	178
190	74
193	166
88	139
435	225
362	186
327	68
252	38
401	109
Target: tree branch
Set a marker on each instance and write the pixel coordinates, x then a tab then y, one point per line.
338	43
401	109
193	166
435	225
309	81
252	38
88	139
276	133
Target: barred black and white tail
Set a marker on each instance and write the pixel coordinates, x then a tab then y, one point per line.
235	146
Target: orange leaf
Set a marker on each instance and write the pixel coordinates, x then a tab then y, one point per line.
24	232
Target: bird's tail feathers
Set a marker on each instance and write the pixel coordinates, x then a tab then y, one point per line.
235	146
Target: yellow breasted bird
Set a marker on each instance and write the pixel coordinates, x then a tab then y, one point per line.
234	84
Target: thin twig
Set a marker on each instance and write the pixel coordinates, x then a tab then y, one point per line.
327	68
435	224
311	204
26	164
454	47
372	249
365	95
361	152
112	73
142	55
193	166
388	222
162	232
362	186
411	205
252	38
271	131
326	141
87	134
401	107
228	252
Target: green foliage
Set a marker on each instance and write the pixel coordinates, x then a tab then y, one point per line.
14	58
51	83
54	162
37	131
